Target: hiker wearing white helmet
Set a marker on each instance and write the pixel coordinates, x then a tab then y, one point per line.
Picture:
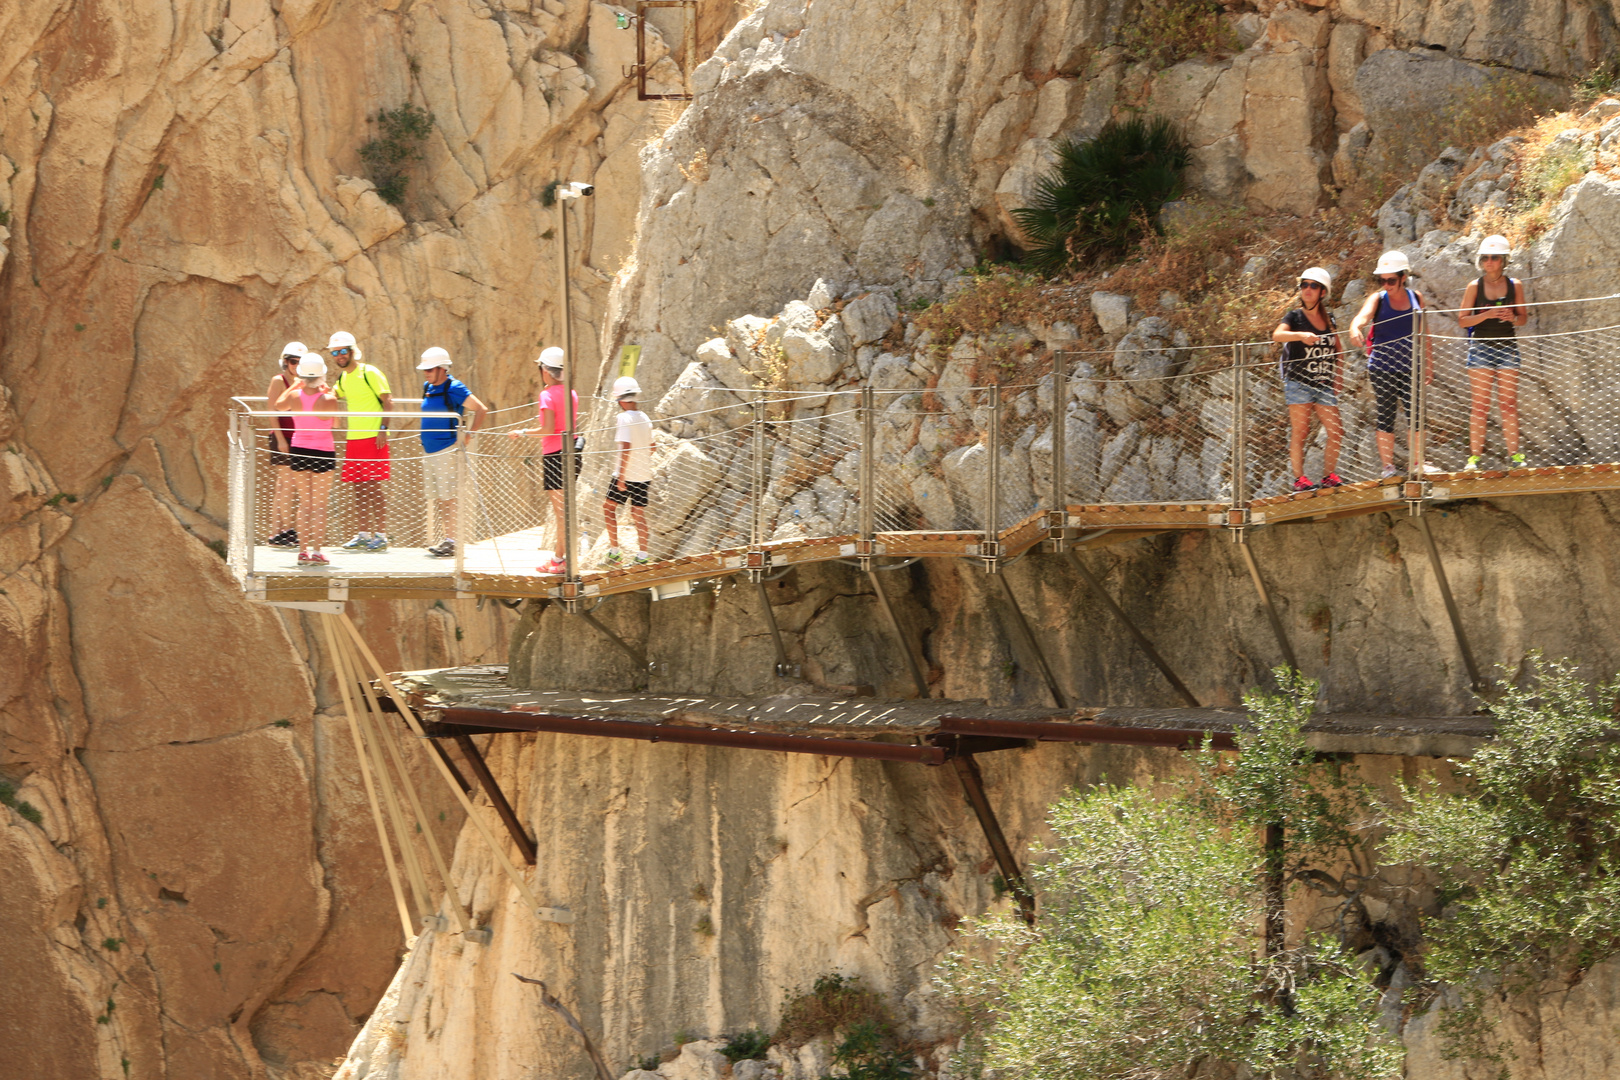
282	532
1311	376
1386	324
313	455
1492	306
632	472
555	418
442	393
363	389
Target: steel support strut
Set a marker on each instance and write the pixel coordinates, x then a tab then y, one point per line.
486	780
1033	644
1474	678
783	668
918	679
967	770
1265	601
1141	639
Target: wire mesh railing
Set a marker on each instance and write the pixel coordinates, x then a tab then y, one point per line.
855	469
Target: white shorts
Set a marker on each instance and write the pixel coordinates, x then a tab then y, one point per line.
439	473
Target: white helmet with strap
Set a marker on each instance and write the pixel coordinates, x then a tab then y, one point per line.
1318	275
1493	245
1393	262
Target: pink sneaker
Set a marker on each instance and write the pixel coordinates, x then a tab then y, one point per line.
555	566
317	559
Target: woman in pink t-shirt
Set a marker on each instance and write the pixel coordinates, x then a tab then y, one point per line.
314	455
553	423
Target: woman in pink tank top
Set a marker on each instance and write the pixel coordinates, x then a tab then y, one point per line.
314	455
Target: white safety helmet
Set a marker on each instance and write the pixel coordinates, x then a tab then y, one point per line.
294	350
1393	262
551	359
342	339
432	358
1493	245
1318	275
625	387
311	366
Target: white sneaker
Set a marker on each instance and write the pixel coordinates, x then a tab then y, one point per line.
1430	469
1390	471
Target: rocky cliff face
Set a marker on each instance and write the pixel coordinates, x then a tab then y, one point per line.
181	193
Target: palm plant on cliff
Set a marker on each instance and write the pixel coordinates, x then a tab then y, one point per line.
1104	192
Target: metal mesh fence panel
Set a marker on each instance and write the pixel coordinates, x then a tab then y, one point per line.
1552	398
812	469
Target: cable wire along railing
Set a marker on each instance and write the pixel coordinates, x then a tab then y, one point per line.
772	477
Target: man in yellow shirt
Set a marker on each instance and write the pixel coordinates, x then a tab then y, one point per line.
363	389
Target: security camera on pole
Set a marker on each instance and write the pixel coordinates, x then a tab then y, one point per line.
566	192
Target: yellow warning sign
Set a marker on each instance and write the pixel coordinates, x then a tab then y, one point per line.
629	357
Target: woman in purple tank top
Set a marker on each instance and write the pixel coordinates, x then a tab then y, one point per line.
1387	324
314	455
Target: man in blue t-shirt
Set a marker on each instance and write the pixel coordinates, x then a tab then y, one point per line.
443	394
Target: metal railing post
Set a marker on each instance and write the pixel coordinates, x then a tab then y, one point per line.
990	549
1057	517
463	502
866	542
1414	413
1237	515
250	486
758	561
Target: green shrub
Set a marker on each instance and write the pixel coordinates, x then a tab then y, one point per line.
1148	961
1104	193
1527	855
833	1002
397	147
746	1045
1165	32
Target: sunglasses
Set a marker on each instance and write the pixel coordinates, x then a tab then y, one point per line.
1311	285
289	358
342	352
1396	280
1492	258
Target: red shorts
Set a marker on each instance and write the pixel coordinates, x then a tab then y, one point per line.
364	462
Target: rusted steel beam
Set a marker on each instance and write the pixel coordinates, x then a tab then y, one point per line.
695	736
967	771
449	762
486	780
1046	731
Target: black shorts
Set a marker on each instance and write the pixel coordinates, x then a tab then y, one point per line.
278	459
305	459
1390	390
552	469
635	492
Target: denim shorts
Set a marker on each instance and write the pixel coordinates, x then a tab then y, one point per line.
1493	353
1304	393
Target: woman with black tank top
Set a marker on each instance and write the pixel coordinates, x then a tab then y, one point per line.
1492	306
1311	377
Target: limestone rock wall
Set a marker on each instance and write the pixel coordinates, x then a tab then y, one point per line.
181	192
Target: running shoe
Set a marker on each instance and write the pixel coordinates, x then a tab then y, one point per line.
1304	484
303	558
284	538
1331	480
317	559
1429	469
357	544
641	559
614	557
376	545
1390	472
555	566
1518	461
1472	464
444	549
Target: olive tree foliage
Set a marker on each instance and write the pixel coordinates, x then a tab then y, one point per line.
1149	958
1527	854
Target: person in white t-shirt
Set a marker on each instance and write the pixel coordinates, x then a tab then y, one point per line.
632	473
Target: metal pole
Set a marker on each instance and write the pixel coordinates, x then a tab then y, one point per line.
1271	610
486	780
1240	409
1414	413
992	510
1034	645
463	502
1474	678
868	494
570	522
1060	434
967	771
757	531
782	666
1140	638
918	679
250	478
